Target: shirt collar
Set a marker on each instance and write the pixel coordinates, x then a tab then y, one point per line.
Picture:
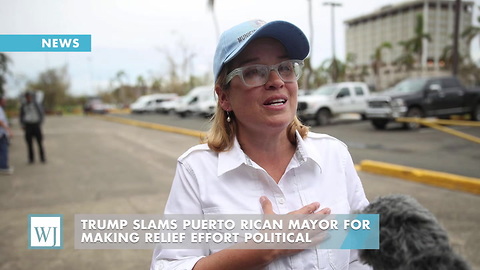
306	151
231	159
235	157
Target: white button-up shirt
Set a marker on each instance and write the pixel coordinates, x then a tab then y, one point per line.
207	182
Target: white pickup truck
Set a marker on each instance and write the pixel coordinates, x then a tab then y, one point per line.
331	100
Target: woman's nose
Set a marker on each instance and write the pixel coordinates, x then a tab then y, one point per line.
274	80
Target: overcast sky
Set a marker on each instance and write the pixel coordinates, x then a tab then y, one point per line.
133	35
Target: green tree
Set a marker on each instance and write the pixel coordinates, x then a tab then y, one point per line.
54	83
141	86
350	67
120	78
377	62
156	85
406	59
4	71
335	68
447	57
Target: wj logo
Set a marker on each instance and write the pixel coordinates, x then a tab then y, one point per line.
45	231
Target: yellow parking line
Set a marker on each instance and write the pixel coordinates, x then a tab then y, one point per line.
439	121
440	179
434	124
183	131
457	123
452	132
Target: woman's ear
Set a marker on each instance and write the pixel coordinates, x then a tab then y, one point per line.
223	99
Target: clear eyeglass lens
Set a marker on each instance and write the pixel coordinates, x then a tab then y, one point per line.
257	75
287	71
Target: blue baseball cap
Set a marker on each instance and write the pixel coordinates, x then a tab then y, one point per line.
235	39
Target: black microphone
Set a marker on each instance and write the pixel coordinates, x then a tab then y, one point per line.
411	238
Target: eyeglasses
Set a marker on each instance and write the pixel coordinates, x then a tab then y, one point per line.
257	75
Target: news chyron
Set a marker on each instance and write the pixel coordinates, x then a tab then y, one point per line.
45	43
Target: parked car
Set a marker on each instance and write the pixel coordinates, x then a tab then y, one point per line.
150	103
94	105
423	97
331	100
169	106
189	104
207	104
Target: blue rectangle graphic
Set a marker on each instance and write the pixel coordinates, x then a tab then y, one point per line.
336	231
45	43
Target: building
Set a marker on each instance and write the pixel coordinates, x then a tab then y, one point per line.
396	23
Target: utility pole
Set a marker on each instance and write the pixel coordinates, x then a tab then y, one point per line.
334	59
458	4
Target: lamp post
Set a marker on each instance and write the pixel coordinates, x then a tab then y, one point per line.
458	4
334	60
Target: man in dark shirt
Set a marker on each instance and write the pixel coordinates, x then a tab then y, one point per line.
31	119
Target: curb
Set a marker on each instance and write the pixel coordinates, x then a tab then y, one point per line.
434	178
439	179
183	131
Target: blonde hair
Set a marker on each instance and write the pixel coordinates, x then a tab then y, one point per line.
221	135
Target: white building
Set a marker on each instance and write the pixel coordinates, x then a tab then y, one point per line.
396	23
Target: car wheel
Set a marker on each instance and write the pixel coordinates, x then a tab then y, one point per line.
413	113
323	117
475	114
379	124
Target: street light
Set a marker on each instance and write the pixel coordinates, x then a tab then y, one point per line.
333	5
458	4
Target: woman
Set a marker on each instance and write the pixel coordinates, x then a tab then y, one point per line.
258	157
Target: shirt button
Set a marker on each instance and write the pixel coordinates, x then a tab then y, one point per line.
281	200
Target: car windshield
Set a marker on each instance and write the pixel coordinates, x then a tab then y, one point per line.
324	91
142	99
409	86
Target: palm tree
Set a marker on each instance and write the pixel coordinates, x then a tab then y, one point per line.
141	88
470	33
211	6
351	66
377	62
447	57
335	68
406	59
119	77
413	47
415	44
308	70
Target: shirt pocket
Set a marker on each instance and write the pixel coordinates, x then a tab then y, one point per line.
333	258
339	258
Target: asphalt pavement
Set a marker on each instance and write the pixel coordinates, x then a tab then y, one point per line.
97	166
426	148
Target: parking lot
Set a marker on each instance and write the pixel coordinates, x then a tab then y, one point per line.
96	166
425	148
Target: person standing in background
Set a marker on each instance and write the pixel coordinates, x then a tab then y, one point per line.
5	135
31	119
